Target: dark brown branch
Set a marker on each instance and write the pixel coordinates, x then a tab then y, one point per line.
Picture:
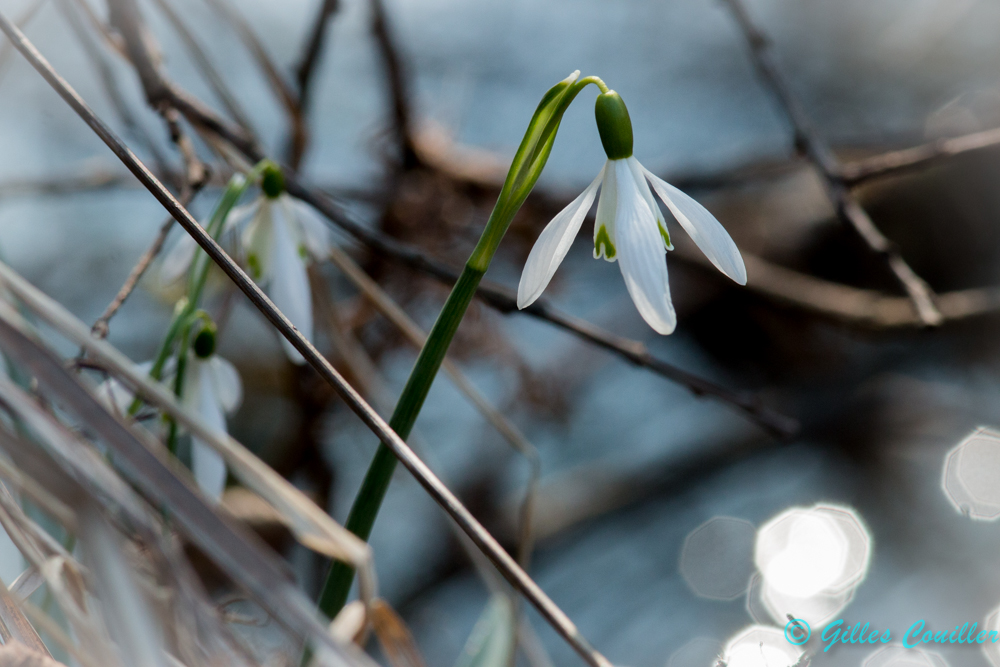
109	82
501	298
894	162
93	179
299	132
850	305
507	566
313	50
208	70
809	141
402	117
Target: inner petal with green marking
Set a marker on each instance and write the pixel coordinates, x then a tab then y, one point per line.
665	234
603	245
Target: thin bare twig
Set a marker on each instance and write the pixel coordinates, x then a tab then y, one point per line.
100	327
809	141
109	81
853	305
907	159
299	138
311	52
208	69
438	491
92	179
402	116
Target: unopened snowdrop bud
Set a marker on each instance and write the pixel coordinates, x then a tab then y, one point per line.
614	125
272	181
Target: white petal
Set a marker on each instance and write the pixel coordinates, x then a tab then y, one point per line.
192	391
240	215
641	256
606	214
257	242
116	395
647	196
552	245
703	228
177	262
289	288
313	233
208	467
226	384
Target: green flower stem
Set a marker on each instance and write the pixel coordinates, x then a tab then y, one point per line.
376	483
198	276
188	327
524	172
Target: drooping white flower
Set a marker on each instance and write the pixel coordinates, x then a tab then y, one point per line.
276	237
630	227
212	390
278	241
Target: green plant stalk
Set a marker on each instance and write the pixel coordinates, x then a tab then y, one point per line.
199	273
524	172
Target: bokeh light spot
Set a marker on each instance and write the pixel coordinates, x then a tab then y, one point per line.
717	558
971	478
760	646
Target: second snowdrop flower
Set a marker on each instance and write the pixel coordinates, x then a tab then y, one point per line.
279	236
630	228
212	390
276	237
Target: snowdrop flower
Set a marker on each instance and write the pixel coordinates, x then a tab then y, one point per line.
211	389
630	228
282	237
276	238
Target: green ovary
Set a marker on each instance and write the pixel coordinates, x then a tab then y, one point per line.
602	238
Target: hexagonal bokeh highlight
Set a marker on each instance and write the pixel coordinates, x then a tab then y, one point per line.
766	605
760	646
697	652
809	560
971	477
717	558
898	656
805	551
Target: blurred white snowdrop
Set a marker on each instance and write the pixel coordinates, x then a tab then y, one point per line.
810	561
275	237
760	646
211	388
630	228
898	656
971	477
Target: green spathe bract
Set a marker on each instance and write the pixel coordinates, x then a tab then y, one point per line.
526	167
614	125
